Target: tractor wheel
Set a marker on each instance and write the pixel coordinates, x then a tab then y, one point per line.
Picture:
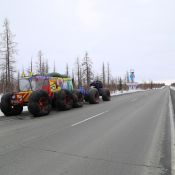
39	103
77	99
93	96
7	108
63	100
106	96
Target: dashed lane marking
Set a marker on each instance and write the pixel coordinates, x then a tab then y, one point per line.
97	115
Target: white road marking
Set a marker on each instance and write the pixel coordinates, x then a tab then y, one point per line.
89	118
172	135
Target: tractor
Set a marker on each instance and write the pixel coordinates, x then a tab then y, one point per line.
41	93
93	93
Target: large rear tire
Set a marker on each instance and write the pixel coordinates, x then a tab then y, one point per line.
106	96
39	103
63	100
78	99
7	107
93	96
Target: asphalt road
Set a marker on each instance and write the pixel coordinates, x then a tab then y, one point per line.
130	135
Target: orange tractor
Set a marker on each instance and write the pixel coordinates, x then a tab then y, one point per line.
40	94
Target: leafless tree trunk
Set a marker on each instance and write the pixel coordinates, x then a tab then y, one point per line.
108	74
54	68
120	85
103	74
78	72
46	67
42	67
30	68
18	79
67	69
87	70
40	55
7	51
73	78
2	80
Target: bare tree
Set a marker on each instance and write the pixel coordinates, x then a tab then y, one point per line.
113	85
151	84
54	67
7	51
108	73
30	68
73	78
41	65
103	74
78	69
67	69
46	67
120	85
18	79
87	70
2	82
43	68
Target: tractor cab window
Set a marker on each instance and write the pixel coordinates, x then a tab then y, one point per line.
24	85
38	83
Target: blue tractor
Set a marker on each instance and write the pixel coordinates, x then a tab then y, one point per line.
93	93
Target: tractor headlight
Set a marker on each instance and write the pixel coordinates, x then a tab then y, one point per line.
13	97
20	97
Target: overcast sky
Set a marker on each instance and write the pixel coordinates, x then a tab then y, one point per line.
137	34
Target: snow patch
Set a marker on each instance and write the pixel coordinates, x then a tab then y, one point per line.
172	87
133	91
125	92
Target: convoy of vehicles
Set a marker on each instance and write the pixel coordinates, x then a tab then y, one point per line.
42	93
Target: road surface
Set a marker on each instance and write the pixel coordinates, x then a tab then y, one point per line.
130	135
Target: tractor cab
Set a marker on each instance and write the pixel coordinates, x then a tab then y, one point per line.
33	83
39	82
24	85
29	84
25	90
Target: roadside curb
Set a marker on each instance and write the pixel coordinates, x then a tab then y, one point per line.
172	135
125	93
128	93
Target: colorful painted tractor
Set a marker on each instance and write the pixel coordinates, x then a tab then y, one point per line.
41	93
